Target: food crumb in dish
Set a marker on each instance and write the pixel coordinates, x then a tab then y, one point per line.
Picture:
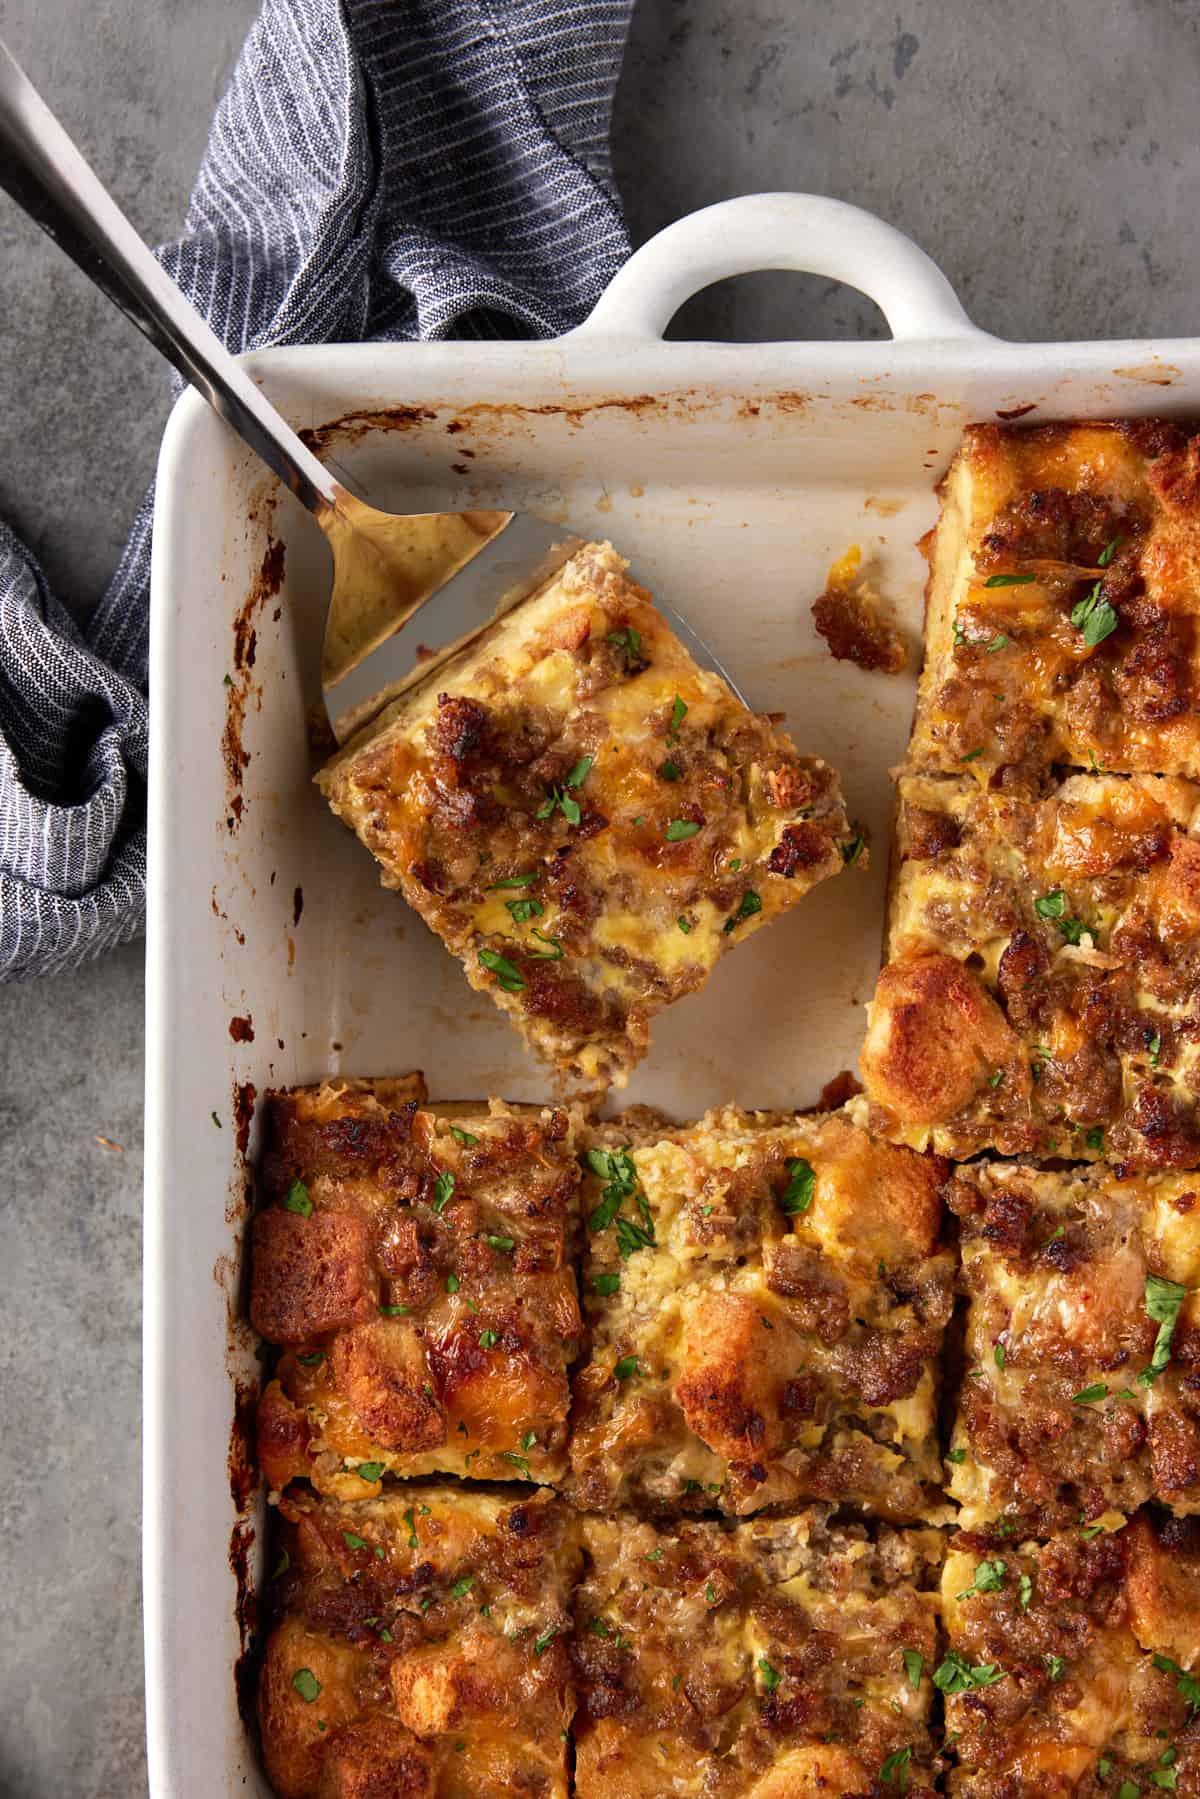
852	619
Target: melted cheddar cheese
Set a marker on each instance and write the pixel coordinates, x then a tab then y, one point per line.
585	817
766	1305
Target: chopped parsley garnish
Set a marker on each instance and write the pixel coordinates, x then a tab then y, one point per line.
1000	1355
599	1628
670	771
797	1196
579	773
1025	1591
1054	1666
529	1439
1093	1530
853	848
410	1519
569	808
1054	905
553	954
971	755
463	1137
524	909
1154	1045
710	1593
956	1456
616	1169
1109	551
452	1283
894	1772
488	1339
999	642
1094	618
1163	1298
509	977
443	1188
311	1361
1188	1685
606	1284
989	1578
771	1676
514	881
352	1541
282	1565
995	1079
914	1662
462	1587
1129	1789
504	1243
368	1470
735	864
297	1200
678	714
628	640
627	1365
685	924
1094	1139
679	829
1089	1395
956	1675
392	1311
306	1684
543	1643
751	904
1009	580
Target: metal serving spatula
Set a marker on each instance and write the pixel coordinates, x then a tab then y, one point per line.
386	565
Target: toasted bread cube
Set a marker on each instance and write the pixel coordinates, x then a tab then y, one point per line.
585	817
767	1302
1062	604
416	1265
1053	1683
788	1658
1083	1335
1040	988
423	1645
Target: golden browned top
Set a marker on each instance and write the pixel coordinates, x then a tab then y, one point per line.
586	817
1066	1669
422	1647
415	1267
766	1304
1063	600
1045	970
785	1659
1081	1395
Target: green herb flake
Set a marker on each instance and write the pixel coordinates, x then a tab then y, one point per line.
524	909
1104	1768
606	1284
1154	1045
1009	580
513	881
1054	1666
443	1189
353	1541
1163	1299
680	829
410	1518
1025	1591
580	772
569	808
629	641
543	1643
956	1456
1188	1685
1000	1355
1109	551
1092	1530
312	1361
914	1662
509	976
1164	1778
505	1244
956	1675
771	1676
1089	1395
368	1470
670	771
306	1684
1129	1789
297	1201
751	903
282	1565
852	850
999	642
392	1311
1094	618
995	1079
971	755
488	1339
553	954
627	1366
685	924
452	1283
797	1196
463	1137
1051	905
529	1439
678	714
989	1578
894	1772
462	1587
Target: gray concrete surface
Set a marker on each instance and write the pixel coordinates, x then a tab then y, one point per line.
1047	166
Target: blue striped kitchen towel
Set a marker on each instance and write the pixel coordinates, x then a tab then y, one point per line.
379	169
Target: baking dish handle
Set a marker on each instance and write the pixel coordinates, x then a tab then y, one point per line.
808	233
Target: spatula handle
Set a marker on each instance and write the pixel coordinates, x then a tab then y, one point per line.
46	175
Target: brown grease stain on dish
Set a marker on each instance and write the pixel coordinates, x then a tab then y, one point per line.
1008	413
244	1095
241	1029
297	905
239	690
885	508
242	1466
1155	374
245	1668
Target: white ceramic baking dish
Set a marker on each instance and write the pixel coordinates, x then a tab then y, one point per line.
731	476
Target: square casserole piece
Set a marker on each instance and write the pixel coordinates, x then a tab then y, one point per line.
1063	599
422	1646
413	1265
1081	1396
1071	1665
585	817
767	1303
788	1658
1042	994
